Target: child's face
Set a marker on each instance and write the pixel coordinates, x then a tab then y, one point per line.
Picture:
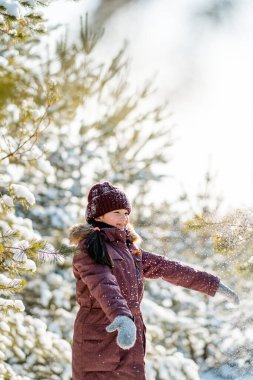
116	218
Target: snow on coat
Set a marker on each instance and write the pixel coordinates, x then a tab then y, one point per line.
103	293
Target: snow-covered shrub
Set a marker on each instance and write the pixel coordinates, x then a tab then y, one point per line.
29	351
20	246
212	332
22	18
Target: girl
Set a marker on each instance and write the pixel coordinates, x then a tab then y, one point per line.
109	333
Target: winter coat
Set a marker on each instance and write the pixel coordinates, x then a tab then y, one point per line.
104	293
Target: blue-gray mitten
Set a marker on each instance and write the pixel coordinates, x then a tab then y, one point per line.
228	293
126	331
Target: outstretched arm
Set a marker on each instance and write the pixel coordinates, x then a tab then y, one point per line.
158	266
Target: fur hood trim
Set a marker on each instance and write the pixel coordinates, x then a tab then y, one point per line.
81	231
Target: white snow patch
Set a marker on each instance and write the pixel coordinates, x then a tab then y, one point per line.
21	191
13	8
8	201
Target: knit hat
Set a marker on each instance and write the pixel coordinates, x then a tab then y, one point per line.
103	198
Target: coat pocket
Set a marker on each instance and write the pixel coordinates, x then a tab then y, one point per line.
96	349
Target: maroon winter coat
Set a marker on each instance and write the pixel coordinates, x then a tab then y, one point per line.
104	293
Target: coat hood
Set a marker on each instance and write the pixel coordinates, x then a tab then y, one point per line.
81	231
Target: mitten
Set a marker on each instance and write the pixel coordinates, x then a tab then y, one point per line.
228	293
126	331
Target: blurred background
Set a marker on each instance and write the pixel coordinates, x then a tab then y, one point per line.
154	96
199	58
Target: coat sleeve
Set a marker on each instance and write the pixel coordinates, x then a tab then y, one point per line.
158	266
102	285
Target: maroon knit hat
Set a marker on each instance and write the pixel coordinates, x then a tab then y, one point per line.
103	198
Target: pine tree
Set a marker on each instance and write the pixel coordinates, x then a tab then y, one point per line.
225	236
22	122
101	129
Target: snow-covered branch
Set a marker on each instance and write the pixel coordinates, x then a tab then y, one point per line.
19	249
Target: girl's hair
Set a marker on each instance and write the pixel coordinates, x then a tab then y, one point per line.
93	239
96	247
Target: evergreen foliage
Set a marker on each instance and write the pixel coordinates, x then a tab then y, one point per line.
22	121
101	128
21	19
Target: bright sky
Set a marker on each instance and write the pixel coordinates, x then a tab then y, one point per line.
205	72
